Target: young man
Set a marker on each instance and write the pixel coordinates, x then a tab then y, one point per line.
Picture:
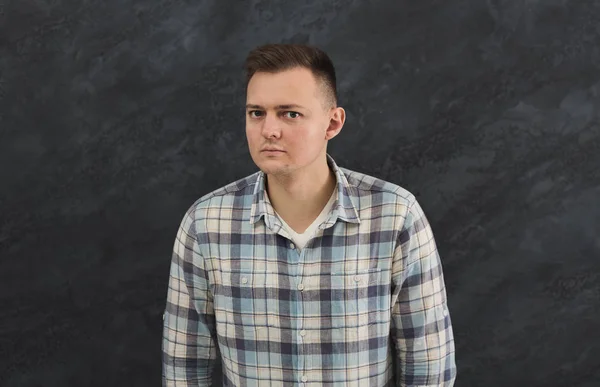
305	273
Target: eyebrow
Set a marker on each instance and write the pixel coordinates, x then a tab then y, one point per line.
278	107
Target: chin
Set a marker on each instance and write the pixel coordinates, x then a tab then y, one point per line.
269	168
271	165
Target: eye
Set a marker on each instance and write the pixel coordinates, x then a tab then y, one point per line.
258	113
297	114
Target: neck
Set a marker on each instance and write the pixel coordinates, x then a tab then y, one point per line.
302	195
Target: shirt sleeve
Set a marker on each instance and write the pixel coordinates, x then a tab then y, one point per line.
421	328
189	349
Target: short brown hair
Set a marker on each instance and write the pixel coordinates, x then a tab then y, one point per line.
273	58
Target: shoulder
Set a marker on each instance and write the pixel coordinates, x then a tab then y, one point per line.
241	189
367	185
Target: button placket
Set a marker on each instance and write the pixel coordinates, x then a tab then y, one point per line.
302	358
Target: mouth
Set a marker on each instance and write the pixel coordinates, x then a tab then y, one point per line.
271	153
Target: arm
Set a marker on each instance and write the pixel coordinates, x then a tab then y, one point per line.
421	327
189	349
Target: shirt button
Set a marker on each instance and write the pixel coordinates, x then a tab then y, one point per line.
305	378
292	246
445	312
357	278
303	333
301	287
244	280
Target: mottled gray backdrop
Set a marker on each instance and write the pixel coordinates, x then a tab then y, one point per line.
117	115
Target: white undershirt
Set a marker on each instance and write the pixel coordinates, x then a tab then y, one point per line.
302	239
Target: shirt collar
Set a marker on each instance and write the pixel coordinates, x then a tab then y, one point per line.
343	208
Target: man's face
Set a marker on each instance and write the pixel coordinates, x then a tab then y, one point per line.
299	130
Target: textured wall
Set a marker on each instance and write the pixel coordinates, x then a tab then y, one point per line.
115	116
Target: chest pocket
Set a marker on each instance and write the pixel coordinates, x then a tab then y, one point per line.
243	303
355	298
244	300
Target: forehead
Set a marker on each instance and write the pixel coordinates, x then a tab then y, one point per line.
290	86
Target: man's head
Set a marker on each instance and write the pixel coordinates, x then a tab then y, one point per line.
291	102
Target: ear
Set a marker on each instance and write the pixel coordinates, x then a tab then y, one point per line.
337	117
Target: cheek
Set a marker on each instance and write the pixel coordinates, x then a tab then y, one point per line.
251	134
305	144
311	137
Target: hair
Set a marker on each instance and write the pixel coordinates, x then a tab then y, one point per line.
274	58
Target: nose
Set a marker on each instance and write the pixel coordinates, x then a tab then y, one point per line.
270	126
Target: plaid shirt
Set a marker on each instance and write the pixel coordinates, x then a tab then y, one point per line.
363	304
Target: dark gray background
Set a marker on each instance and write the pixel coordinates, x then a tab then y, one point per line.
116	116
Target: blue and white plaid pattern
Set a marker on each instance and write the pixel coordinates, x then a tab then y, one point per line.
363	304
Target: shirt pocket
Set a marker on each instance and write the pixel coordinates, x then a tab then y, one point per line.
355	298
244	302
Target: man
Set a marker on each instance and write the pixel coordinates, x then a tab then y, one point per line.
304	273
